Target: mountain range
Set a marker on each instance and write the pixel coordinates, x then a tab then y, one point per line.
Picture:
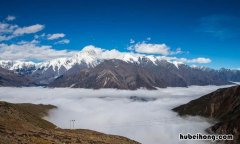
96	68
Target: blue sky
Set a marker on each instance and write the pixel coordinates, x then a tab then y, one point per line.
201	28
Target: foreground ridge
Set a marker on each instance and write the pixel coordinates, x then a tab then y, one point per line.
22	123
223	105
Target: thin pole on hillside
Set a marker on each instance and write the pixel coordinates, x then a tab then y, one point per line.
72	122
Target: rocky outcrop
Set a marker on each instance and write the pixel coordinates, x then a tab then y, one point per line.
22	123
223	105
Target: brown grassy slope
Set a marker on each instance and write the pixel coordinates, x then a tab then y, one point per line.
22	123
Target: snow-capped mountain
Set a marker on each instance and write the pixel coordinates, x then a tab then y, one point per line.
18	66
90	57
96	68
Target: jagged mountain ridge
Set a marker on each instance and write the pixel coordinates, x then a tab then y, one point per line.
123	75
45	72
89	57
96	68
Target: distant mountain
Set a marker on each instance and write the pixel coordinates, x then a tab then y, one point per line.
45	72
9	78
23	123
223	105
96	68
124	75
120	74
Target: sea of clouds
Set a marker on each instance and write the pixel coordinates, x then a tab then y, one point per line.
142	115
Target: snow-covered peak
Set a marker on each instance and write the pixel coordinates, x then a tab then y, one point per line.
93	56
22	65
201	68
90	56
91	50
12	65
56	64
6	64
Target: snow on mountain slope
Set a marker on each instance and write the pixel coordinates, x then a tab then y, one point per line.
159	71
89	55
92	56
6	64
22	65
16	65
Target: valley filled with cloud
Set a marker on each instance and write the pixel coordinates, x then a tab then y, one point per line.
142	115
139	71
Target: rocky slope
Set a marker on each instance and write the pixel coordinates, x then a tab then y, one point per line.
9	78
123	75
223	105
22	123
119	74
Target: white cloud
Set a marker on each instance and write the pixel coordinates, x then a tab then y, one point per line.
34	41
36	36
6	31
143	47
24	50
55	36
31	51
6	28
163	49
132	41
4	38
114	112
10	31
148	48
10	18
64	41
29	29
199	60
178	51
